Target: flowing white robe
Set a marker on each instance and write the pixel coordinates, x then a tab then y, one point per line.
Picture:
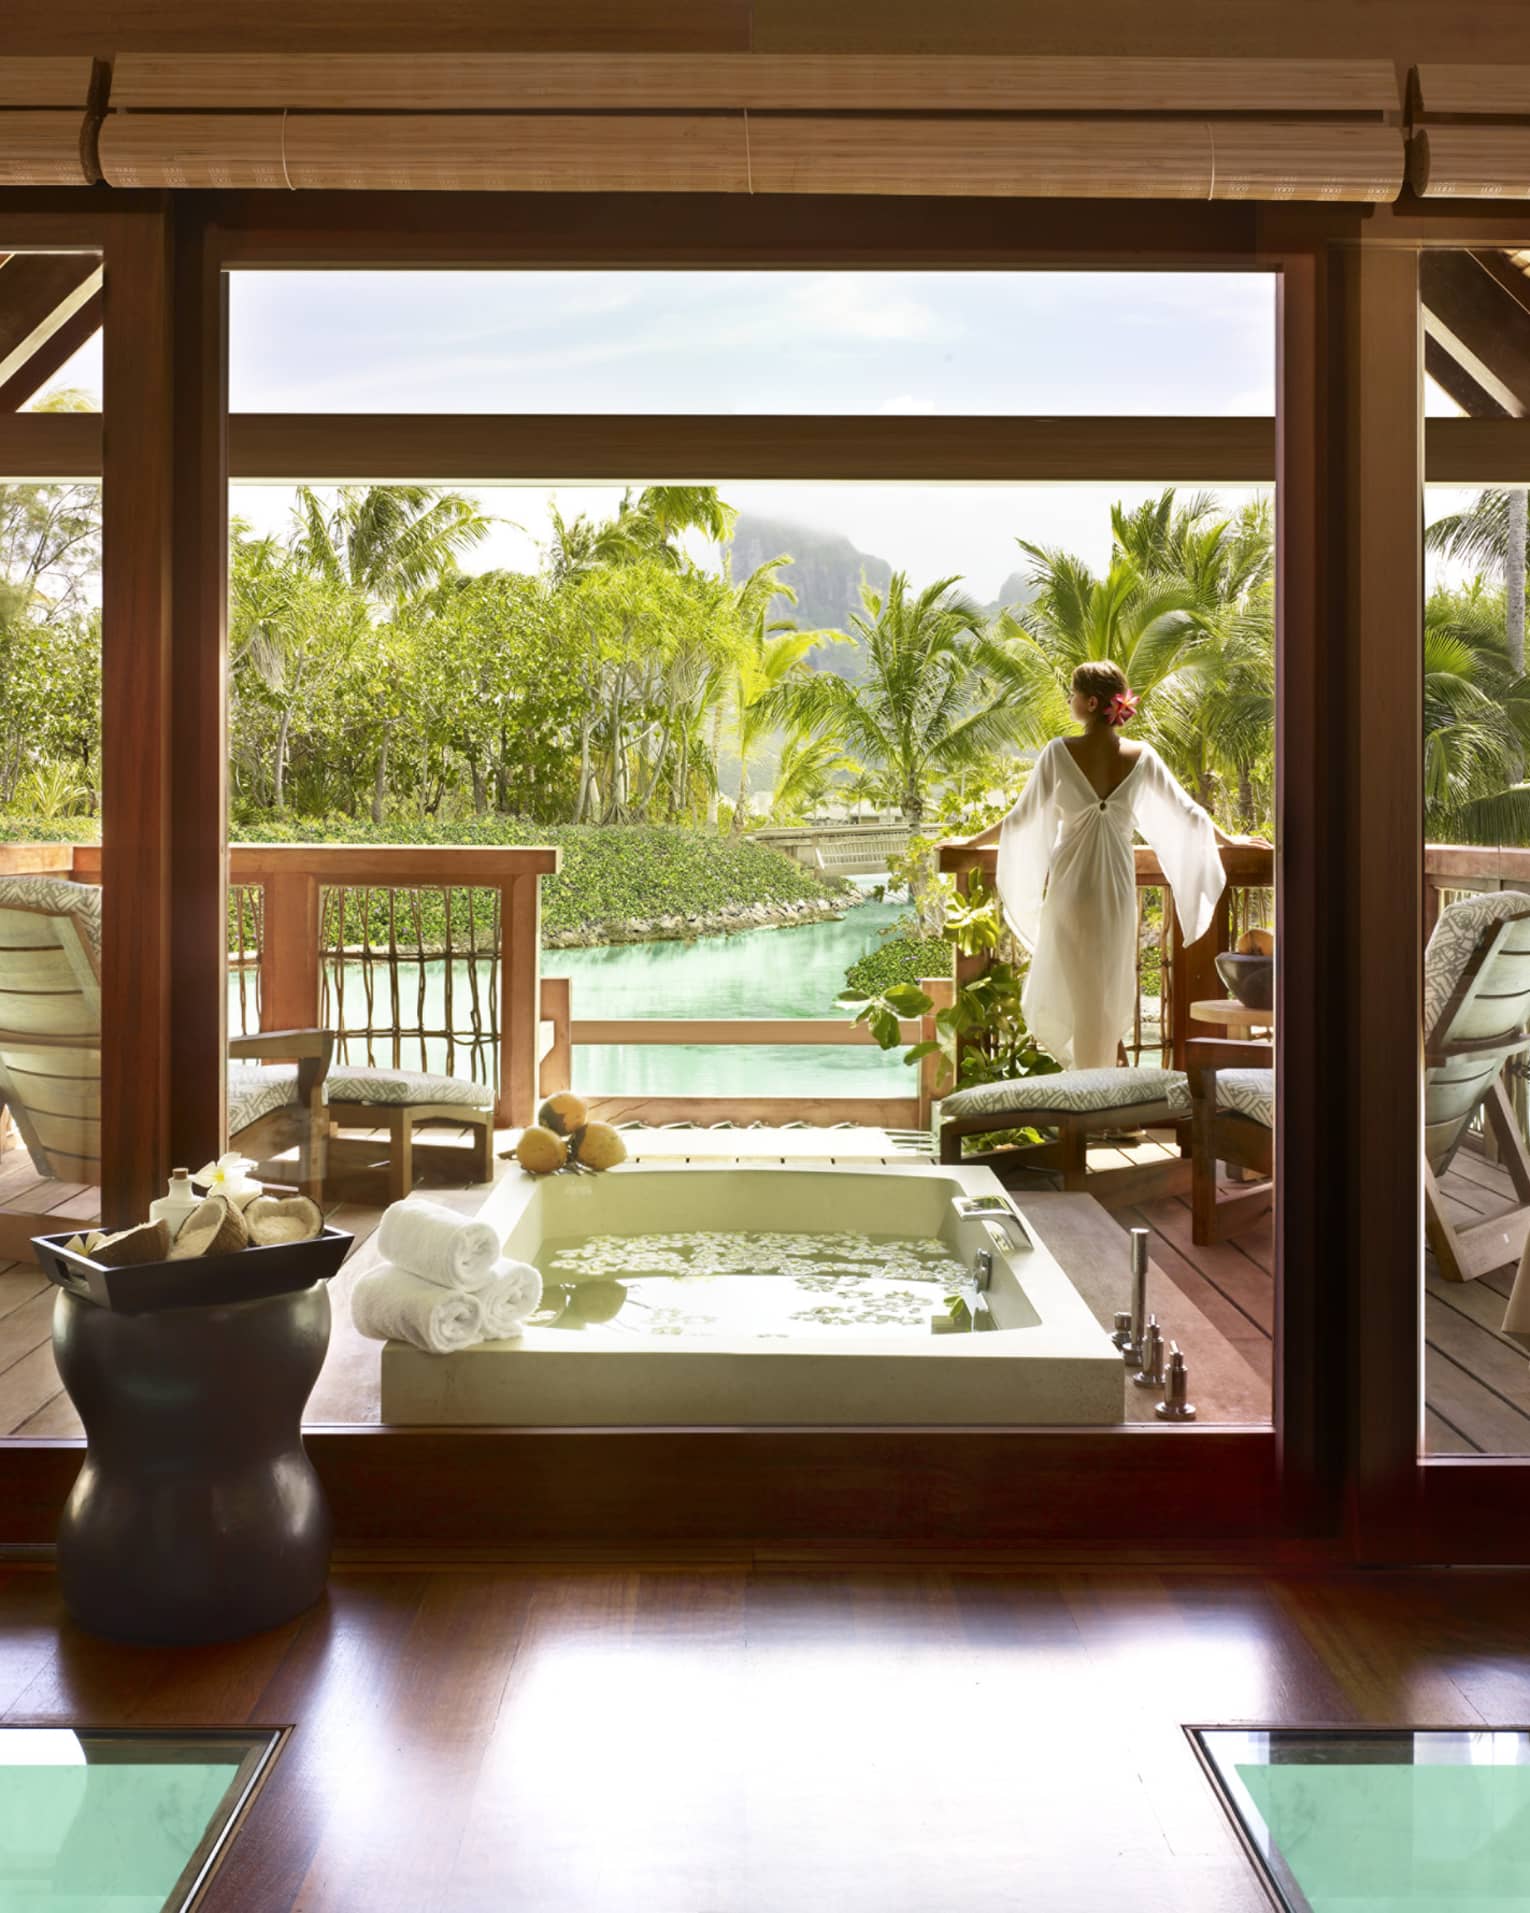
1068	890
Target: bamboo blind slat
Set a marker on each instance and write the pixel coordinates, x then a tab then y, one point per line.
802	82
1483	90
1470	162
41	149
45	81
1078	159
498	153
798	154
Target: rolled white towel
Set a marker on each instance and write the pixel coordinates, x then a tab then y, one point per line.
434	1242
392	1304
515	1293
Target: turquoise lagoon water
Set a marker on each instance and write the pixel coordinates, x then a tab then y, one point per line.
795	972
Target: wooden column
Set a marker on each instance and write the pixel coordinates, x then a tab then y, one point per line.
1377	886
136	684
199	695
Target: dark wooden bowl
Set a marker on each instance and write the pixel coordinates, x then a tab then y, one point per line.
1250	978
246	1275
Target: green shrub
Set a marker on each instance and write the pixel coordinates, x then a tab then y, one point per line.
905	957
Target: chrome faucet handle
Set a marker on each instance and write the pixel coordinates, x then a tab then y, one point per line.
1150	1375
1123	1335
1174	1406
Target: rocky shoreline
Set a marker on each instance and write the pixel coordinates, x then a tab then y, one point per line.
712	923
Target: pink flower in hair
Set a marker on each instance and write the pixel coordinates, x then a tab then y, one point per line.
1123	707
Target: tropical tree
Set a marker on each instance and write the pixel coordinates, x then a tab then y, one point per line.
386	541
1476	722
1491	533
921	710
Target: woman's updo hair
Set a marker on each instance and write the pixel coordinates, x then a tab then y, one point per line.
1107	682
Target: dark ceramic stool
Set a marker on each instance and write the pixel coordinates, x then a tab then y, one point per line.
197	1515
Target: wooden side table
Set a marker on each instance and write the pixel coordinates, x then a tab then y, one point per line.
1234	1017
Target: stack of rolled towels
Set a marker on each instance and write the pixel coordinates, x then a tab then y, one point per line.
443	1283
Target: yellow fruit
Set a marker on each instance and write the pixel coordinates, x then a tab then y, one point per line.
540	1152
1256	943
563	1113
599	1146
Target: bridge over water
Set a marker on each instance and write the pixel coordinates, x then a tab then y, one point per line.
840	850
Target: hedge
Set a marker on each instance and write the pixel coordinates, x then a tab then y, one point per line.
612	873
903	958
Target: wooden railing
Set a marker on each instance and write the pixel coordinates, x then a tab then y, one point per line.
296	939
1187	972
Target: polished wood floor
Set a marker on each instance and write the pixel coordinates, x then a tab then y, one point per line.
748	1739
1477	1383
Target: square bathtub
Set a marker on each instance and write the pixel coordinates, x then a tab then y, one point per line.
772	1358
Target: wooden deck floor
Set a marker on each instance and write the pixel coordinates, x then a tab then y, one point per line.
1477	1383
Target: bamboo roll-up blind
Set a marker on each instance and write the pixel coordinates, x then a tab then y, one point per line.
447	152
1470	132
43	105
793	82
42	148
1470	162
1077	159
774	153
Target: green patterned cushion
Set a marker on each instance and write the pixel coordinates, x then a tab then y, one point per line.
1077	1091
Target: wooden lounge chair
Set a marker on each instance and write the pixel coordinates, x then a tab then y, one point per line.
1476	1021
1232	1092
1076	1104
50	1054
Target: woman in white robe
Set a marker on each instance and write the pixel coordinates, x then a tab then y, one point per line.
1066	879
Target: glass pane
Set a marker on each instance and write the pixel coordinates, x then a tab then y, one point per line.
582	672
1476	711
963	343
50	891
1384	1822
117	1822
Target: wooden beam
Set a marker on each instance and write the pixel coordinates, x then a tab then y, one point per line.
42	81
571	447
1482	326
24	385
138	719
1455	380
1477	451
39	293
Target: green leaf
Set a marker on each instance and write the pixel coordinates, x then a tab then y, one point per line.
908	999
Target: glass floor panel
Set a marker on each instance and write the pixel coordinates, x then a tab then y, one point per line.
118	1821
1345	1821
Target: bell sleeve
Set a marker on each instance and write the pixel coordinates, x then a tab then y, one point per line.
1181	833
1026	837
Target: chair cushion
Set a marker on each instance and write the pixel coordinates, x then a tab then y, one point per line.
60	897
255	1089
1248	1092
1077	1091
1456	935
398	1087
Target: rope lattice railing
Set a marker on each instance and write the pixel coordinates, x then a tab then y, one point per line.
409	978
246	945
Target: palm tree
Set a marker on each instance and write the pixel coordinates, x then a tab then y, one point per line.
770	653
1476	723
388	541
1491	533
1148	625
921	710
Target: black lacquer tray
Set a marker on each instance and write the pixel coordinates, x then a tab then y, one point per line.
246	1275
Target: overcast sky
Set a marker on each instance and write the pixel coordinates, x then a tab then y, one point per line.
762	342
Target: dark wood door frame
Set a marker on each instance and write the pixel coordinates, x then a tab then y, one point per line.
1340	1471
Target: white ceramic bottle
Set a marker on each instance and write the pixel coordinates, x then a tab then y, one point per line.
176	1204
